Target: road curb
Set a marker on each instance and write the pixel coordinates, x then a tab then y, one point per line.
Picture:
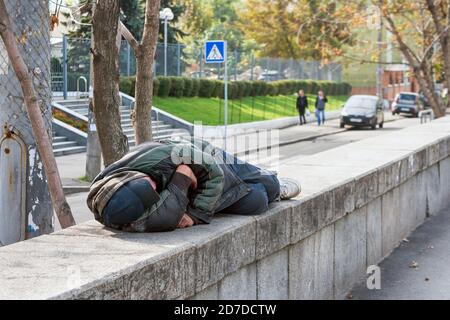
68	190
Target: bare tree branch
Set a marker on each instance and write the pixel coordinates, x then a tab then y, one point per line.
129	37
435	40
86	7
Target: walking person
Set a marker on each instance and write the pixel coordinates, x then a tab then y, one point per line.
302	105
321	101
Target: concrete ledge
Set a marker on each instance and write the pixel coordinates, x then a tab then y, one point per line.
359	201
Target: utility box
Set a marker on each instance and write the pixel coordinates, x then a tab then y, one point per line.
13	173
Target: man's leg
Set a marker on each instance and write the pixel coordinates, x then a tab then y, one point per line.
300	117
255	202
304	118
251	174
318	116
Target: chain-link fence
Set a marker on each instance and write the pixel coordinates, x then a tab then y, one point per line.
25	206
70	65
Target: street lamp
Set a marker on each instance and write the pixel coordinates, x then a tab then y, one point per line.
167	15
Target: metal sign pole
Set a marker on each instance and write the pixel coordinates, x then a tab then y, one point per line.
165	46
225	79
213	54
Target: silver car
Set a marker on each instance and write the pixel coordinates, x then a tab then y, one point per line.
407	103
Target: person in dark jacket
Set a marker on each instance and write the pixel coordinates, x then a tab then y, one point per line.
162	186
321	101
302	105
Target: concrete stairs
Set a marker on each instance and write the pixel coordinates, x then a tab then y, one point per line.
63	146
160	129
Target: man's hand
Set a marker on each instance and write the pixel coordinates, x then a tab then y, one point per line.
185	222
184	169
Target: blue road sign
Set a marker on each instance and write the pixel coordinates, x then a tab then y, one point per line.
214	51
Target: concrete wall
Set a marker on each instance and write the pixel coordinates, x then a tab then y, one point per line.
358	202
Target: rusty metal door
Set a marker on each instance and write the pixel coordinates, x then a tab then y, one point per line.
13	173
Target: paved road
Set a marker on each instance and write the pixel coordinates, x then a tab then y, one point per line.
301	149
289	153
427	248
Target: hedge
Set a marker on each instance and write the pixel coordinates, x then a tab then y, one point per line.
188	84
176	87
165	84
193	87
155	86
206	88
127	85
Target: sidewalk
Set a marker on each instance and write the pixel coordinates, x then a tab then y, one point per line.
72	167
418	268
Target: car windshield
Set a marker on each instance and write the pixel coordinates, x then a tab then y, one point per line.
360	103
407	97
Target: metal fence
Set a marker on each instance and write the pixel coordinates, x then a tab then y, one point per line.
25	206
70	61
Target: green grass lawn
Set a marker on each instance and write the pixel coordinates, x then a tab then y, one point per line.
210	110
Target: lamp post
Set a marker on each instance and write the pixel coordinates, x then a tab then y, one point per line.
167	15
376	23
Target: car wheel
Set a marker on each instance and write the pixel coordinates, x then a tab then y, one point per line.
342	125
381	125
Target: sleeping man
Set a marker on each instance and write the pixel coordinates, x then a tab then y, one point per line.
162	186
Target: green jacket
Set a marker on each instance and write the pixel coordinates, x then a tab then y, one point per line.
160	160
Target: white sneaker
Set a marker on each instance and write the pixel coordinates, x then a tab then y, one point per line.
289	188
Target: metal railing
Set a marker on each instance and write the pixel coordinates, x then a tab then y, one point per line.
426	116
86	90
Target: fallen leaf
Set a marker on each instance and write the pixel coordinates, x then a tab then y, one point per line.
413	265
427	279
405	240
349	296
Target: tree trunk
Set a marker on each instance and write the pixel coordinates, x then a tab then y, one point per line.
106	81
43	142
439	14
428	88
144	74
421	68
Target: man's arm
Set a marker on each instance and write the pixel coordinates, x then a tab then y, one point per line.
166	214
209	192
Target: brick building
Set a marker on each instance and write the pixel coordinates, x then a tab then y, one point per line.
394	79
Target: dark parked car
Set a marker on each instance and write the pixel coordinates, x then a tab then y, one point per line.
407	102
363	111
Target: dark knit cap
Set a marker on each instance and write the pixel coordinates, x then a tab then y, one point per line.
129	202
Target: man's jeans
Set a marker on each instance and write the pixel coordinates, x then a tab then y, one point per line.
263	185
320	115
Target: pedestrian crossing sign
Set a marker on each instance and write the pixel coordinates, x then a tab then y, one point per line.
215	51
